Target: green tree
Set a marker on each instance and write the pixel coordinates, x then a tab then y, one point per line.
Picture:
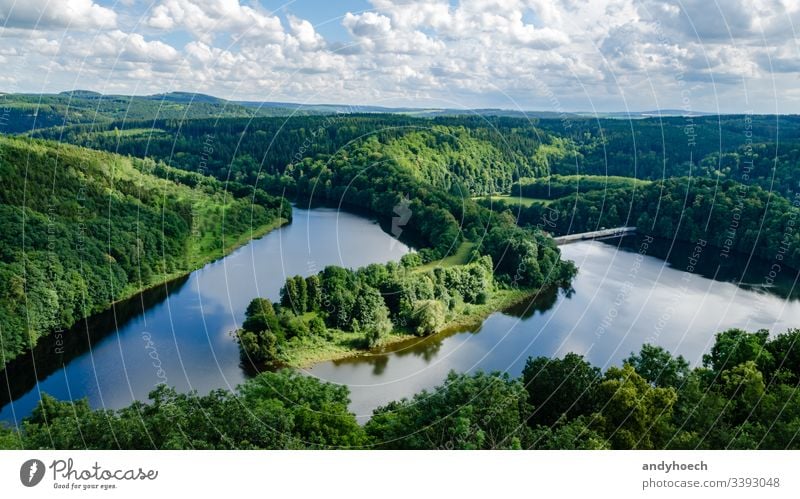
659	367
479	411
314	291
634	414
734	347
428	316
559	388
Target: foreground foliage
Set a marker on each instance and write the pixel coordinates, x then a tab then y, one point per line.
745	396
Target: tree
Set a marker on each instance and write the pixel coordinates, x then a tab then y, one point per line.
427	316
260	347
659	367
338	298
785	350
479	411
370	312
260	316
634	414
734	347
574	434
294	294
261	333
314	292
559	388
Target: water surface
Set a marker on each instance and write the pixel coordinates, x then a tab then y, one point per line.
182	335
625	294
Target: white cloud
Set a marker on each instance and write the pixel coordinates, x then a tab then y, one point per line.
51	14
205	18
471	53
305	35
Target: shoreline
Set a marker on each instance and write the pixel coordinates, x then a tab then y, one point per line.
196	264
310	354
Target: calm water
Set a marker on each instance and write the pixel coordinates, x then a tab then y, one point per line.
620	300
189	330
625	294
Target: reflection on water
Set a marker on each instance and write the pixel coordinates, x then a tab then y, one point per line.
57	350
116	360
620	299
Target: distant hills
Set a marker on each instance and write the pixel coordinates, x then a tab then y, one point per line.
26	112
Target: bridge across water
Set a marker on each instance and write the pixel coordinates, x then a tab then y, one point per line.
597	234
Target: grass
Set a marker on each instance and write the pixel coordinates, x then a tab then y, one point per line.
460	257
305	352
515	200
130	132
199	258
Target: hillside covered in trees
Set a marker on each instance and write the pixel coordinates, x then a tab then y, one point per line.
744	396
479	154
82	229
731	216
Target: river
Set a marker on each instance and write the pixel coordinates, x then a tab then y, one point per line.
627	292
183	337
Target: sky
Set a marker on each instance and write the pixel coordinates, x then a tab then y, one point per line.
732	56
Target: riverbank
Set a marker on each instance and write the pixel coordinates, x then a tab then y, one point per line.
338	345
196	262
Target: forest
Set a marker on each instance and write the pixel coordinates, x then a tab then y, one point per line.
480	154
731	216
23	113
85	229
743	396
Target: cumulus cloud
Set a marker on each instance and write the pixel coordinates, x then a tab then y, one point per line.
470	53
304	34
48	14
205	18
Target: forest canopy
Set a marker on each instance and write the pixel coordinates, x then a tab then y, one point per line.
86	228
744	396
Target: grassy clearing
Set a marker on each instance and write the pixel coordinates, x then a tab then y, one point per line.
131	132
460	257
200	257
515	200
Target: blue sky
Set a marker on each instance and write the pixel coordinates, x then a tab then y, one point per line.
552	55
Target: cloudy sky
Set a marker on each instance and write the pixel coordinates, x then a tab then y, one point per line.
554	55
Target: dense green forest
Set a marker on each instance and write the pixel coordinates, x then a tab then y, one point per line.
731	216
482	154
744	396
447	152
82	229
371	161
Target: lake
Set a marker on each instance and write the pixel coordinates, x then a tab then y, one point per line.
627	292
